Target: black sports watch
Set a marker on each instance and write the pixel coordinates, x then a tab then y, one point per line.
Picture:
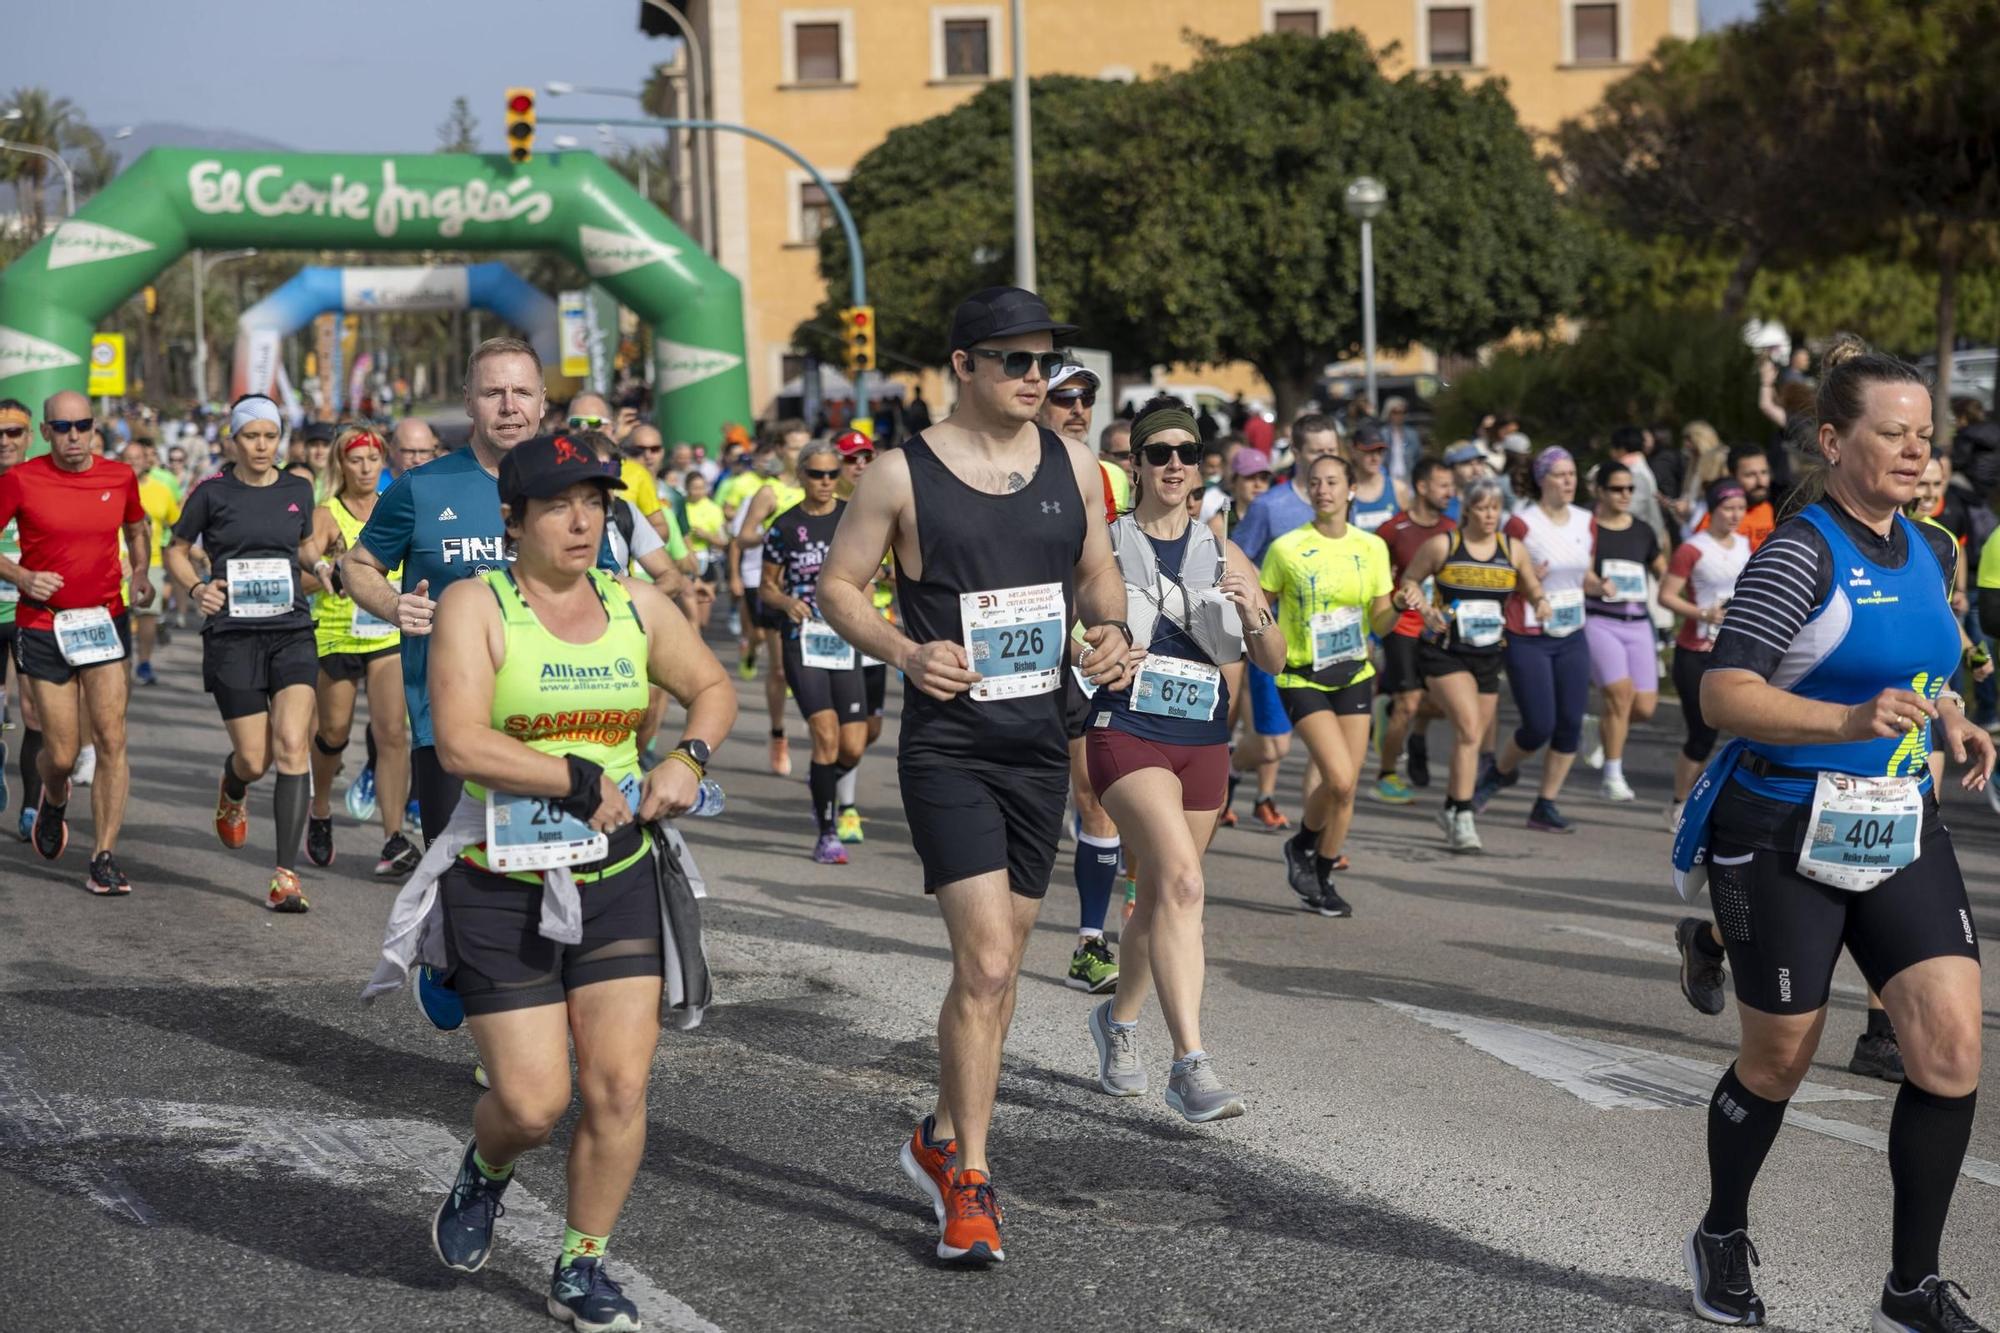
696	750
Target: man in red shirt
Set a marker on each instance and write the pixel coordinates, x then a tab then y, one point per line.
1405	532
73	634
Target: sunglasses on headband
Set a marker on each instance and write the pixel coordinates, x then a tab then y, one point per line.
586	423
1158	454
1014	365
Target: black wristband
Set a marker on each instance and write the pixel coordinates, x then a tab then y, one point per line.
1123	628
586	787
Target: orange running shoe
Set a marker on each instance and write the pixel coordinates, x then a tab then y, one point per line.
1269	815
927	1162
232	819
781	756
1228	819
285	894
972	1221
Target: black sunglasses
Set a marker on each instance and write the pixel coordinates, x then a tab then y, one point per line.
1158	454
1071	397
82	425
822	473
862	456
12	432
1014	365
1617	490
1117	455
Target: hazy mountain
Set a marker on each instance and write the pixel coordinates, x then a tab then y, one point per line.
159	134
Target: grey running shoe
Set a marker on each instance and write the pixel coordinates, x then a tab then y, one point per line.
1118	1069
1701	972
1462	835
1194	1090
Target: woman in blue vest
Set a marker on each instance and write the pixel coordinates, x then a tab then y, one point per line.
1832	666
1159	750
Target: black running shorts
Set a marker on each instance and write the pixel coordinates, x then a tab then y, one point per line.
1784	932
762	617
353	667
499	960
1433	661
969	819
37	656
1302	701
875	687
244	670
1400	673
842	693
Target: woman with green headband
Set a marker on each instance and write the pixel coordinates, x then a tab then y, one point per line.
1158	751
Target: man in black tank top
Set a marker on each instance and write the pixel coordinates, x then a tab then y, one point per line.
998	531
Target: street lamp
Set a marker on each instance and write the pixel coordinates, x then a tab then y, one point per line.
36	150
201	264
1365	201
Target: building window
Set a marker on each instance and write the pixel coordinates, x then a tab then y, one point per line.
1594	29
1449	28
963	42
1304	22
968	49
815	214
816	51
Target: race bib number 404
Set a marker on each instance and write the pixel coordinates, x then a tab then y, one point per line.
1014	639
1861	830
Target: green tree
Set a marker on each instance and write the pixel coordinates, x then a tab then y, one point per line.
1226	233
50	122
458	132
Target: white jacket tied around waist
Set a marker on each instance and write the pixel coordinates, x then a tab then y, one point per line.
415	934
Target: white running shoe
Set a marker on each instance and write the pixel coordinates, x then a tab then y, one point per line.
1672	815
1593	742
86	766
1464	834
1616	789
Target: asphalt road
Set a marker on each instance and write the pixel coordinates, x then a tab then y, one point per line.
1476	1105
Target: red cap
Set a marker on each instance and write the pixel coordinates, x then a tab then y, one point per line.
853	442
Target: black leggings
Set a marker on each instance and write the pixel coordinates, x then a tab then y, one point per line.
1689	663
1551	683
437	791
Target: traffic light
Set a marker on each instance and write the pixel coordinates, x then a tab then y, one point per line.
857	325
152	300
521	124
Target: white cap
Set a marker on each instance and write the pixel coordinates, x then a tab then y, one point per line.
1070	372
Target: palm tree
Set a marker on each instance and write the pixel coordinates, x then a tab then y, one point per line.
54	123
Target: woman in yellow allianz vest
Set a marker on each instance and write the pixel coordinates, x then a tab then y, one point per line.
539	673
355	648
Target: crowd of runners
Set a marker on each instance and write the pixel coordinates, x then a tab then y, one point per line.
1100	636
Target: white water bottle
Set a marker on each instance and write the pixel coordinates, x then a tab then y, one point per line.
708	801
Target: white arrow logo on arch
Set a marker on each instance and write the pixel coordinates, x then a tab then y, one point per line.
608	253
24	354
79	242
681	365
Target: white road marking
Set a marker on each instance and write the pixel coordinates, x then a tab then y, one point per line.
1610	1076
415	1156
1661	949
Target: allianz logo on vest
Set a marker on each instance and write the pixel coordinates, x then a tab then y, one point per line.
578	675
458	549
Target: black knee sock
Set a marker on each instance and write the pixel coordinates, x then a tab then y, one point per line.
31	771
1229	802
291	802
1880	1026
823	780
1306	839
1741	1129
1927	1138
232	786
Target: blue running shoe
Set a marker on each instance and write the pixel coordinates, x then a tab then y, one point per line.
413	814
25	830
462	1231
143	673
361	796
439	1002
581	1293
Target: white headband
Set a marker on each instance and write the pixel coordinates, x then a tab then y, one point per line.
254	409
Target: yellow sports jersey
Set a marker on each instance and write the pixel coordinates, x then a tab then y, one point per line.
639	487
736	490
1309	574
163	510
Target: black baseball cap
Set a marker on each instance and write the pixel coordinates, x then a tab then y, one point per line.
1368	435
548	465
1001	312
316	432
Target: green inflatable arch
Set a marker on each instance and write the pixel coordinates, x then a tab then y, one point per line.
172	200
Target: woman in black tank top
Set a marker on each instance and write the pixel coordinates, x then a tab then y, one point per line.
823	671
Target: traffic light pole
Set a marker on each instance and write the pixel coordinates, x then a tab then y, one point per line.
856	266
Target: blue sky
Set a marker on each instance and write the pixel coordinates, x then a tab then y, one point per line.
363	76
